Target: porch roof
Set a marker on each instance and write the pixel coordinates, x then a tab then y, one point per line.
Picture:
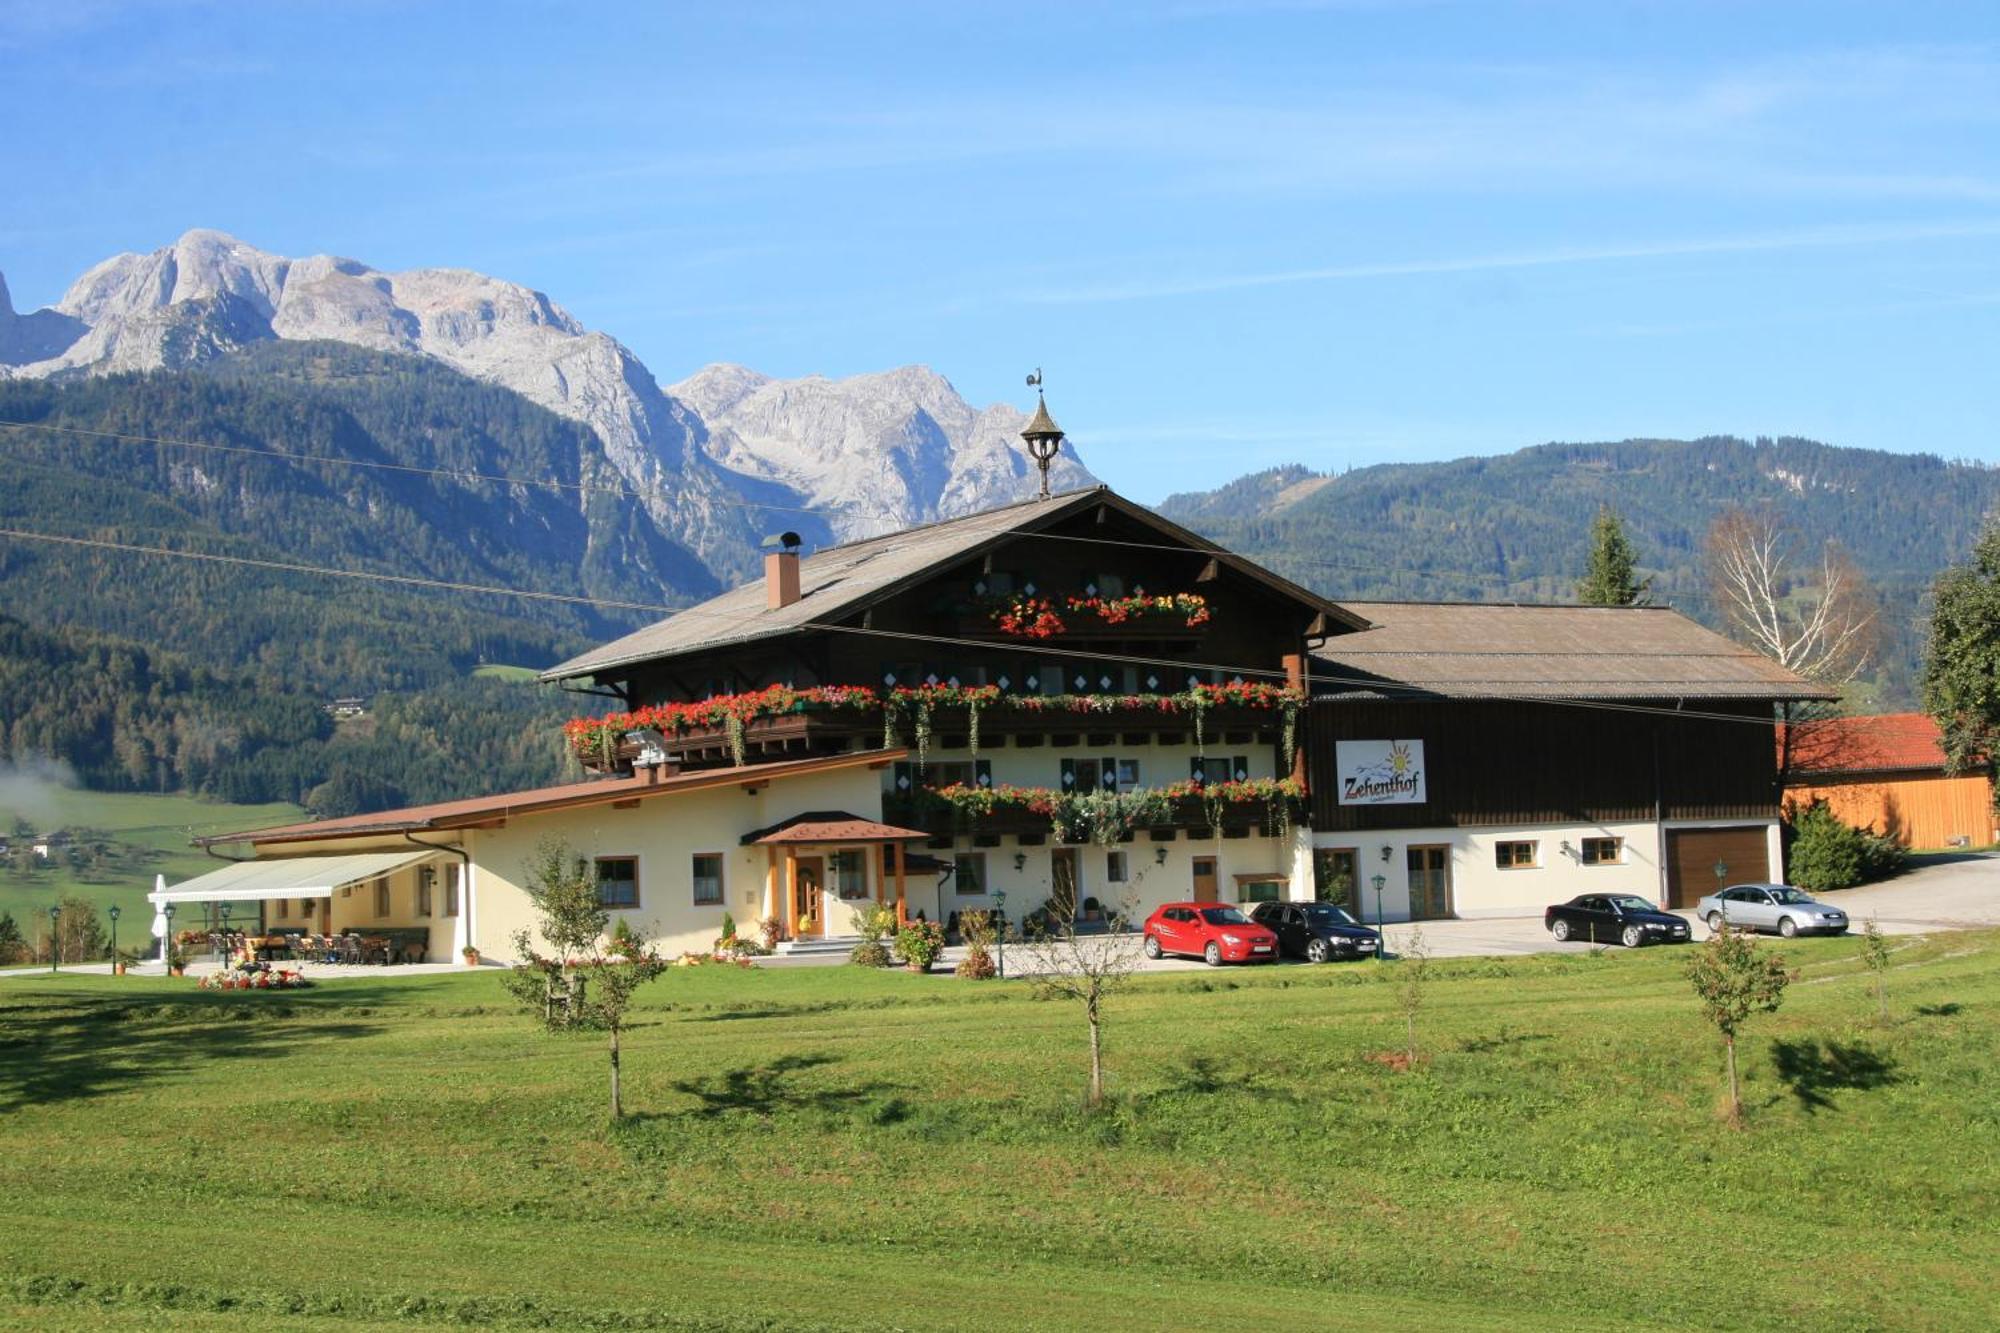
285	877
829	826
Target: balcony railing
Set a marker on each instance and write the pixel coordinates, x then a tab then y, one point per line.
1271	805
781	722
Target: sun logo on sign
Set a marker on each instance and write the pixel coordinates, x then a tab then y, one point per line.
1399	759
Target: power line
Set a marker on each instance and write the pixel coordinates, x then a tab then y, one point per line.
629	492
410	580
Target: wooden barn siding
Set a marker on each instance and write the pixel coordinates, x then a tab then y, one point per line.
1915	811
1494	762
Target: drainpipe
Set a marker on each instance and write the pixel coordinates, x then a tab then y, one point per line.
461	931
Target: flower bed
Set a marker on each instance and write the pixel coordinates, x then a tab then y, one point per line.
255	978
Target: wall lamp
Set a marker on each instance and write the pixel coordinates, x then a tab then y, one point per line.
1388	852
1020	860
1568	850
1159	856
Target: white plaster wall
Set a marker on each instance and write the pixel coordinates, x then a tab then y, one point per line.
1480	888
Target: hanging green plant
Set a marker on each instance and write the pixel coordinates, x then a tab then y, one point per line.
1291	733
734	726
892	707
973	708
923	731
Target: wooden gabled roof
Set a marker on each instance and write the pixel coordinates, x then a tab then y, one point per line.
1494	650
838	583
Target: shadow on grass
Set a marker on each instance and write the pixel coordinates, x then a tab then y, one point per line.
765	1090
1205	1076
1500	1041
1812	1069
91	1045
1945	1010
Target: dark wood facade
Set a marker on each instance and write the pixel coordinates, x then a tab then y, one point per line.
1253	626
1500	762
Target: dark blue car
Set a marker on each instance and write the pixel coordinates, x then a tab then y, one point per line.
1317	932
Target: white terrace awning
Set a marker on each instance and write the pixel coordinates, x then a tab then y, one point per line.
285	877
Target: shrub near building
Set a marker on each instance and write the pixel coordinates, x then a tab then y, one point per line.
1827	854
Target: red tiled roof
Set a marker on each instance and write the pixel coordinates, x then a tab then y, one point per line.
829	826
1880	743
481	809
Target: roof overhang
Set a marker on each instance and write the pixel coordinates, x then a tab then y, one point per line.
829	826
1329	617
286	877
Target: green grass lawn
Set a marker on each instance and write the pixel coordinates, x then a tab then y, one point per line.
519	675
839	1149
161	822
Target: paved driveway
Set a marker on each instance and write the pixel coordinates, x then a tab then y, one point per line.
1959	893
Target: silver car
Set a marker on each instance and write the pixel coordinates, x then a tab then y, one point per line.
1778	907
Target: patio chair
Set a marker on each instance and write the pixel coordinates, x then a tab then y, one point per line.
350	949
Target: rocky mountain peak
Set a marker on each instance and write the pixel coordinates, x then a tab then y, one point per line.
875	450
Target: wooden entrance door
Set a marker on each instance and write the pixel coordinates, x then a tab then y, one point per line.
1430	883
1694	853
1205	889
806	896
1062	881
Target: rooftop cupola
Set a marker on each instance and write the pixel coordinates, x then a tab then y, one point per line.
1044	437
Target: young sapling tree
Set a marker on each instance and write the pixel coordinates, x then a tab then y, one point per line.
581	984
1734	979
1875	953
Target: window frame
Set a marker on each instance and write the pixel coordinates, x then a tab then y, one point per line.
597	871
1584	856
961	862
836	870
694	879
1117	866
454	887
1503	859
385	900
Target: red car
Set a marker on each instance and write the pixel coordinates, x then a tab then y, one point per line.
1214	932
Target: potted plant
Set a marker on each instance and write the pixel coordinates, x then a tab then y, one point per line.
121	960
470	955
176	962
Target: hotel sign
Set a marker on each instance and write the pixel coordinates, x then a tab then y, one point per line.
1379	772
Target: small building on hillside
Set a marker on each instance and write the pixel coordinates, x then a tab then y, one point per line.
1887	772
1487	759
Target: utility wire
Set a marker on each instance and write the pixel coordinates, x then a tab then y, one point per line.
636	493
410	580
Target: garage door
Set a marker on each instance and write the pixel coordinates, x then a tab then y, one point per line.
1693	854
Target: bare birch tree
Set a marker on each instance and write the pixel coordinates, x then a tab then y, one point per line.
1814	618
1085	969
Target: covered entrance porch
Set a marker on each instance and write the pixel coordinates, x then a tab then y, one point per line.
823	866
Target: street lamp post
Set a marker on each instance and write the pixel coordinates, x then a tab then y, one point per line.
167	940
1380	880
55	939
1000	940
113	912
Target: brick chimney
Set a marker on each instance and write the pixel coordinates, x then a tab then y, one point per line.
781	572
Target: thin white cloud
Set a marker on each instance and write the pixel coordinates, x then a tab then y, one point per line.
1802	239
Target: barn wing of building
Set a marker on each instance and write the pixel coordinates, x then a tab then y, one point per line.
1562	750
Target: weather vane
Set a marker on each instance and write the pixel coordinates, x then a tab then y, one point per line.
1044	437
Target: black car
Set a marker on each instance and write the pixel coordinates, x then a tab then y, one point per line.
1318	932
1603	917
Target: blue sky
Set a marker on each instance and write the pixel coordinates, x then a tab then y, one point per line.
1234	234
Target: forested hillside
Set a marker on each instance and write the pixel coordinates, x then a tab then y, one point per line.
130	718
1517	527
148	673
327	635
